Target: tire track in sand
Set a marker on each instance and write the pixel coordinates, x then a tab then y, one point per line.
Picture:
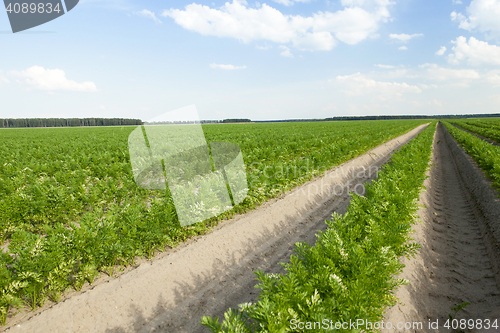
452	265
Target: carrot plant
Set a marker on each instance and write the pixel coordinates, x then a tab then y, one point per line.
350	273
486	155
488	127
70	209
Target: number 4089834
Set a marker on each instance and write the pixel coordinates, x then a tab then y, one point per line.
32	8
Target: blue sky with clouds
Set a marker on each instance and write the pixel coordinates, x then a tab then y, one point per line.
255	59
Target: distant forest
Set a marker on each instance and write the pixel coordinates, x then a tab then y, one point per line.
341	118
236	121
77	122
67	122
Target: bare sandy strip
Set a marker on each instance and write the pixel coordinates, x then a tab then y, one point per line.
212	272
458	261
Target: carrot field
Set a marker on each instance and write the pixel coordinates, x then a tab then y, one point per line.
70	209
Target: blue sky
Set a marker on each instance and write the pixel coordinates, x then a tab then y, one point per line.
278	59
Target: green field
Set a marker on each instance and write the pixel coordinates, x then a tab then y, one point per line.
351	271
70	209
487	127
486	155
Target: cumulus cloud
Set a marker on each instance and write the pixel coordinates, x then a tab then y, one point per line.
483	15
385	66
402	48
358	20
264	47
149	14
286	52
474	52
358	85
493	78
441	51
51	80
289	2
227	67
434	72
404	37
3	79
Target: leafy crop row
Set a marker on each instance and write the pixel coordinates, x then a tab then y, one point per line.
489	127
486	155
349	274
70	209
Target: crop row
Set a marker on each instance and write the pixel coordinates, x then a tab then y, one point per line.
350	273
70	209
486	155
489	127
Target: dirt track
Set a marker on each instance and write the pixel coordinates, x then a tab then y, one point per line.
213	272
458	261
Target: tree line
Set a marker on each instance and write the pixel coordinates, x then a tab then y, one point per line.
344	118
67	122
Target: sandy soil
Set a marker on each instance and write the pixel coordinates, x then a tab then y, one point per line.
458	261
213	272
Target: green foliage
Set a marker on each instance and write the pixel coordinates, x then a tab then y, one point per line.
487	127
457	308
350	273
70	208
486	155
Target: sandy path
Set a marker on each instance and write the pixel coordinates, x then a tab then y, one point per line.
212	272
456	262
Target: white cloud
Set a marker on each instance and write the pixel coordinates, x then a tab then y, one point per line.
359	85
482	15
475	52
51	79
359	20
385	66
457	2
402	48
264	47
289	2
493	78
463	22
436	103
148	14
227	67
434	72
441	51
3	79
404	37
286	52
426	86
399	73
